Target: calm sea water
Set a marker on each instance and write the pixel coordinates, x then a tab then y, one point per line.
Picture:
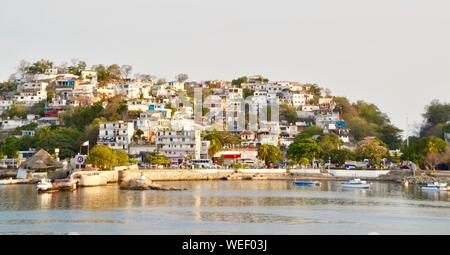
226	207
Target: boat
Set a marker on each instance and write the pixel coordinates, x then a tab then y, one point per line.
44	185
57	185
306	183
14	181
435	186
356	183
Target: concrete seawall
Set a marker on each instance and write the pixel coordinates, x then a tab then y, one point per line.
217	174
173	175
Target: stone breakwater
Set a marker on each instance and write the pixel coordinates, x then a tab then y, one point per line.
424	179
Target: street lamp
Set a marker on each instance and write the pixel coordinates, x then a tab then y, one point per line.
329	163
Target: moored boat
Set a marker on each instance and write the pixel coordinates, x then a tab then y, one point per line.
14	181
306	183
436	186
356	183
64	184
44	185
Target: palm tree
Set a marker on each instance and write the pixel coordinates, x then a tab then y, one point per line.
269	154
214	147
264	153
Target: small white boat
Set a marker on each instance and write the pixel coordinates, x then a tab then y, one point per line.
56	185
44	185
356	183
435	186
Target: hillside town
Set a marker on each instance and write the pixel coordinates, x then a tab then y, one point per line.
104	117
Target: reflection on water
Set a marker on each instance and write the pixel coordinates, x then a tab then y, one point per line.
230	207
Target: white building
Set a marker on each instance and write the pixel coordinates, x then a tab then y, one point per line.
204	149
327	121
179	145
13	123
299	99
5	105
235	117
116	135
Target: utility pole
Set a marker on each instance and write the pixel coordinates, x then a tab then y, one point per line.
407	132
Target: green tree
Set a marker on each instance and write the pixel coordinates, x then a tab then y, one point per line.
288	113
315	89
157	159
77	67
102	74
122	158
114	71
91	131
10	146
390	135
371	113
39	67
226	138
214	147
246	92
37	109
67	139
303	147
102	156
338	156
435	145
81	116
237	82
360	128
313	131
269	154
373	149
436	113
16	110
330	142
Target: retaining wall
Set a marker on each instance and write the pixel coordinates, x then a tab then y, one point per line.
304	171
262	171
358	173
172	174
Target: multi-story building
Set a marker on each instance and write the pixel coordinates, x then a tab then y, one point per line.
116	135
327	121
299	99
179	145
30	93
235	117
9	124
89	76
204	154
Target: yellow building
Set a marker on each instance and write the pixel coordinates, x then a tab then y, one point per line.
89	75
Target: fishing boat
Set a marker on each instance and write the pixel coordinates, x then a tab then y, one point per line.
306	183
435	186
356	183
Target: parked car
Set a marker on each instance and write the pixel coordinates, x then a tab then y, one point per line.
349	166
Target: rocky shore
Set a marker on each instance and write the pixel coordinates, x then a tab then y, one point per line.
142	184
423	179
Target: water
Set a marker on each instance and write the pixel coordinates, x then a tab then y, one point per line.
226	207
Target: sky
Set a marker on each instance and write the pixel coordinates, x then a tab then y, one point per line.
394	53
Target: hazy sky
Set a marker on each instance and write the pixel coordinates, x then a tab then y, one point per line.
394	53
